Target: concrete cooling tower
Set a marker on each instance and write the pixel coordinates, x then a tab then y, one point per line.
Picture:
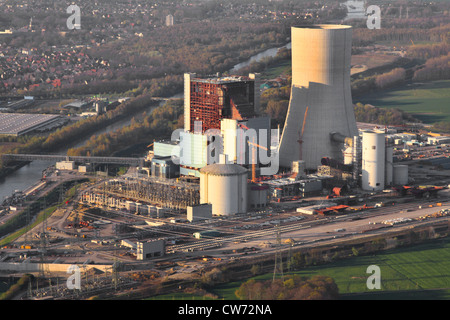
320	102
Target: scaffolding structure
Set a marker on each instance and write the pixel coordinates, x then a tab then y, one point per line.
164	193
213	99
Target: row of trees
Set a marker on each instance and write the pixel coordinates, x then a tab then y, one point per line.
390	79
292	288
414	31
275	103
386	116
427	51
434	69
369	84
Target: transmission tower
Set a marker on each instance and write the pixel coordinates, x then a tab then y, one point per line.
278	265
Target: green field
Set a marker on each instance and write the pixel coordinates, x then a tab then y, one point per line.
281	68
419	272
422	271
428	102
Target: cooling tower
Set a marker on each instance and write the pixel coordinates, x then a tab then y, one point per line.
320	101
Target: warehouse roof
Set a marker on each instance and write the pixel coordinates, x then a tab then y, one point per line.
20	123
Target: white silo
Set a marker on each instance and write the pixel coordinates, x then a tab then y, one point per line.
373	161
225	187
400	175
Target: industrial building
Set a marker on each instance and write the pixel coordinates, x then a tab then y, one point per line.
65	165
150	249
221	117
285	187
199	212
164	167
258	196
438	140
208	100
17	124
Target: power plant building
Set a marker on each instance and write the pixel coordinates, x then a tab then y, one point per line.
208	100
320	101
241	137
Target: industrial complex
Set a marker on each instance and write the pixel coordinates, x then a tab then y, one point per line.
224	183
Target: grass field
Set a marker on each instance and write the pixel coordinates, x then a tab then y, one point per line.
282	68
428	102
419	272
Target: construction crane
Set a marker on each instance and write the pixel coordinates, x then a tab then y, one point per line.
300	140
255	145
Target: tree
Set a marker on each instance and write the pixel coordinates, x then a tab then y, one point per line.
292	288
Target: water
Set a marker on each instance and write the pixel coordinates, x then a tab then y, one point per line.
268	53
31	173
22	178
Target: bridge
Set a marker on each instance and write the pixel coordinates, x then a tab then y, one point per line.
78	159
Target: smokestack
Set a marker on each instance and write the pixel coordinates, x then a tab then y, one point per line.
320	83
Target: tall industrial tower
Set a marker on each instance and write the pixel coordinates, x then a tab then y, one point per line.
321	86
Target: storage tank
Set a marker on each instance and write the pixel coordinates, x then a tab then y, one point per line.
400	175
373	161
225	187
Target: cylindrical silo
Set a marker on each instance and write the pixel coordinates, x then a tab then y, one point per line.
373	161
320	101
389	166
400	175
225	187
